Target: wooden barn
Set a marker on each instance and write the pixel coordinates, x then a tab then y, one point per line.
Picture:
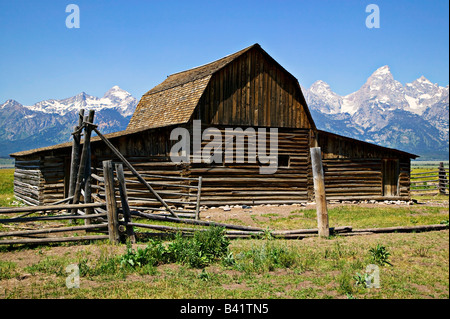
247	89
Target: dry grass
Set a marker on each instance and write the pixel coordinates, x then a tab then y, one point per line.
321	268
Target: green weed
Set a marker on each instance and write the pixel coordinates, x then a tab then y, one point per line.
380	255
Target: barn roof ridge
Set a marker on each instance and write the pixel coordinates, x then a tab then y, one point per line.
208	69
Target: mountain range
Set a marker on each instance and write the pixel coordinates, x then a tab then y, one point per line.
51	121
413	117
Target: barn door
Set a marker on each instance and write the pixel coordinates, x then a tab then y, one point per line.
390	171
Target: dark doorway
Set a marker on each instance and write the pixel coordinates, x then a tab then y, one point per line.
391	172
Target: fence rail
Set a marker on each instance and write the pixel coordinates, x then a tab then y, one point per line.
431	183
182	194
43	234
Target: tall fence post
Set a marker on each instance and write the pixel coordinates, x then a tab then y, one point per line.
87	173
111	205
124	200
442	178
75	157
197	207
319	191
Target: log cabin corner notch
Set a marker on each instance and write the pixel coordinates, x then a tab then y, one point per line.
245	89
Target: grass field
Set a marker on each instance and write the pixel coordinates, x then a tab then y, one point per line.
416	265
6	187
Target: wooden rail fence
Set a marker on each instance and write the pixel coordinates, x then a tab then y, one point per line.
43	227
430	183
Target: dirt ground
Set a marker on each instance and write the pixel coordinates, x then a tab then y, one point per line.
244	213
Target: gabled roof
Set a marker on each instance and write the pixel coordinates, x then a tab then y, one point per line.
174	100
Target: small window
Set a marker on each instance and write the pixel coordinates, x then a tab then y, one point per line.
283	160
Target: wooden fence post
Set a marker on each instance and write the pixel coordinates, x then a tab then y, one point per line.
87	173
75	158
84	155
197	208
319	190
111	206
442	178
124	201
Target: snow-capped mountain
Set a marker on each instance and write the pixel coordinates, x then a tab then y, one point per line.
413	117
114	99
51	121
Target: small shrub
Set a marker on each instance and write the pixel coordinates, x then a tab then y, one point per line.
266	234
199	251
228	260
212	243
380	255
360	280
153	254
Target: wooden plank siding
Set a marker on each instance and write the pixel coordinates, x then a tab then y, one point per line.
39	179
359	170
242	183
252	91
28	179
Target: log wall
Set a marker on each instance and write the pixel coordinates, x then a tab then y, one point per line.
226	183
353	170
28	180
357	170
39	180
242	183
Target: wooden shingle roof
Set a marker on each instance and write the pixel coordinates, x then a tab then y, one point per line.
174	100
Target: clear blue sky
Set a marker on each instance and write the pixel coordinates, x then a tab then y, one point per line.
136	44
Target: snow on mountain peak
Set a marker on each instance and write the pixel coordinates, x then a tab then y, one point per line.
323	98
9	103
114	98
116	93
423	79
380	93
384	70
320	87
